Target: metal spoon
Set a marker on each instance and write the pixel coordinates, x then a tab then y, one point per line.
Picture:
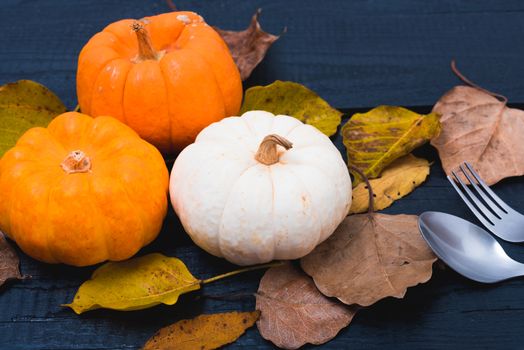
467	248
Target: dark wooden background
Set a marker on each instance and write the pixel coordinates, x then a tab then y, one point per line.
355	54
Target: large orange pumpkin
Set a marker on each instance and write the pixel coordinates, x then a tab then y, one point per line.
82	191
166	76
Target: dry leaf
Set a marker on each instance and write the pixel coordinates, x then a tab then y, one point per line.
203	332
478	128
23	105
140	283
296	100
135	284
294	312
248	47
397	180
8	261
375	139
371	257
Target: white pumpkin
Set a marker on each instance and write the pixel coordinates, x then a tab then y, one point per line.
242	197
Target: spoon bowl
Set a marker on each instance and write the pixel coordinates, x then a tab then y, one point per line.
467	248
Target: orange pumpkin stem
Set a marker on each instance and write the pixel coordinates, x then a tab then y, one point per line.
267	151
145	47
76	162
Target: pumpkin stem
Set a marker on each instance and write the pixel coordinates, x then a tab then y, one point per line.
76	162
145	47
267	151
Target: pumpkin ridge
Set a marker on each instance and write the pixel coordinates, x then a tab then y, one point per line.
168	100
227	201
96	43
85	87
48	244
93	95
316	167
271	179
123	22
124	118
35	169
210	68
314	213
105	238
138	213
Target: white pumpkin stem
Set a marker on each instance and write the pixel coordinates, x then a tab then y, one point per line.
76	162
267	151
145	47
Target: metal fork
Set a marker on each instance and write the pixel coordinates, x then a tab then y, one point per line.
496	215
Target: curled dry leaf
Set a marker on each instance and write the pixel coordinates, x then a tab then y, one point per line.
23	105
371	257
296	100
203	332
248	47
140	283
294	312
397	180
375	139
480	129
8	261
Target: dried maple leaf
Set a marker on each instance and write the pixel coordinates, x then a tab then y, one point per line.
480	129
8	261
294	312
248	47
370	257
203	332
397	180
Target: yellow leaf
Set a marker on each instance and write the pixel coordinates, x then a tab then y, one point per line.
203	332
135	284
23	105
375	139
397	180
296	100
140	283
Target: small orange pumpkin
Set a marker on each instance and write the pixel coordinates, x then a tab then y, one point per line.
82	191
166	76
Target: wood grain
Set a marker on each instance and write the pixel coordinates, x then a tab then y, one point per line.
355	54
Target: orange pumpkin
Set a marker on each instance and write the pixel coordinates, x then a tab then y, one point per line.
82	191
166	76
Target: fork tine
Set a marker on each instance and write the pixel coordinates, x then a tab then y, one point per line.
486	199
469	204
486	188
481	207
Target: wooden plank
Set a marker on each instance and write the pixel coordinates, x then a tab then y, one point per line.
355	54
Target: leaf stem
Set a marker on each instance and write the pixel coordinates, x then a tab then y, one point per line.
246	269
371	205
462	77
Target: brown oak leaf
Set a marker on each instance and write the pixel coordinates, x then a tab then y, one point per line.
8	261
248	47
294	312
480	129
370	257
